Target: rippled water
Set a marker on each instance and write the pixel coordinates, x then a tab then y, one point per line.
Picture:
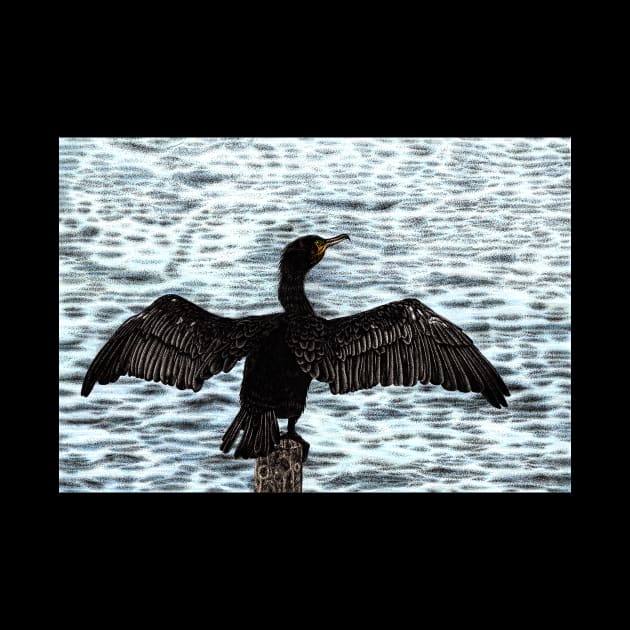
478	229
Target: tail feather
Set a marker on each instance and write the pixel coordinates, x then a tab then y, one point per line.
261	432
232	433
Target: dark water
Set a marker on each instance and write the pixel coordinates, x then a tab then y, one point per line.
477	229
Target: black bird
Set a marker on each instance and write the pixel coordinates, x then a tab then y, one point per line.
175	342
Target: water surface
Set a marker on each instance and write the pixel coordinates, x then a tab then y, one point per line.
478	229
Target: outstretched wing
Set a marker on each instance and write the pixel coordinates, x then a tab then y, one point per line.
399	343
175	342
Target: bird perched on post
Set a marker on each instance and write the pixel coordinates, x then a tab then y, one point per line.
176	342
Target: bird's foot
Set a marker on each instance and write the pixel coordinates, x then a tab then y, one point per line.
296	437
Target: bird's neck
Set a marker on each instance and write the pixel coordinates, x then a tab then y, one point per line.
291	293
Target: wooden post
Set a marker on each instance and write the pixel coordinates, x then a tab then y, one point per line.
281	470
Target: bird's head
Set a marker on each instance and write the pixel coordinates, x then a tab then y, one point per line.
304	253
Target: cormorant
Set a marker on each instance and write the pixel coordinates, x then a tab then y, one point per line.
176	342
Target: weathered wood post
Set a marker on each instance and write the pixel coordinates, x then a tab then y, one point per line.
281	470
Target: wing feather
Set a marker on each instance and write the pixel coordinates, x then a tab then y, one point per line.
410	367
450	377
175	342
400	343
399	374
461	380
437	374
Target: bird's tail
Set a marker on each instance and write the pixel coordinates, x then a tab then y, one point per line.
260	429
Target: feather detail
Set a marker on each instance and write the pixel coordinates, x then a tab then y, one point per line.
175	342
399	343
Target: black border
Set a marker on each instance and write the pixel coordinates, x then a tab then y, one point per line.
522	510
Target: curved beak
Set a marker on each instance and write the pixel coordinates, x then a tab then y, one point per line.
336	239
